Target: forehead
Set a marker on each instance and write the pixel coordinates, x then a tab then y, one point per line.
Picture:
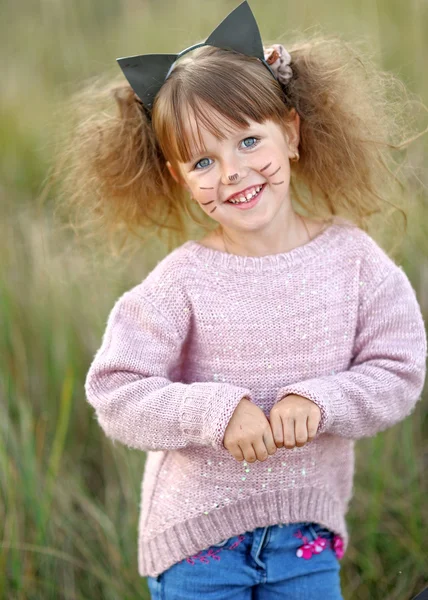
204	129
190	129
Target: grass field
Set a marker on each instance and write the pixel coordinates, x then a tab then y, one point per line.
69	497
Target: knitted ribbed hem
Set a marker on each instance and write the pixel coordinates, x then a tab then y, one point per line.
207	408
157	554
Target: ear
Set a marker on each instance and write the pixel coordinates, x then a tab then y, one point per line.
292	133
175	175
172	171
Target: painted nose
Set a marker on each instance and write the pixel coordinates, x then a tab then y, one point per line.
232	172
233	177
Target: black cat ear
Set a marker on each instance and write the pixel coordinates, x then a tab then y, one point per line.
239	32
146	74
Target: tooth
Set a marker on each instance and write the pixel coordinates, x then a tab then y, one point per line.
248	197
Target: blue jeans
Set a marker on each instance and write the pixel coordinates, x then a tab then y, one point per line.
263	564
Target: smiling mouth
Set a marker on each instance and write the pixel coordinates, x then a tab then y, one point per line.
237	199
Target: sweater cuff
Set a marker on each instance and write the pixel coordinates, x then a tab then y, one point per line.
326	394
207	409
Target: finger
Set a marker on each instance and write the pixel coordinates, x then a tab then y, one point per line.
288	432
269	442
301	431
312	426
276	427
237	453
248	452
260	450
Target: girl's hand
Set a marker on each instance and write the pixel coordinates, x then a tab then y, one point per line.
248	434
294	421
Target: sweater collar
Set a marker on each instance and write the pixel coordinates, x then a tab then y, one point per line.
293	258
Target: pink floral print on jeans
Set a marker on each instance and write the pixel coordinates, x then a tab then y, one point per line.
213	552
315	547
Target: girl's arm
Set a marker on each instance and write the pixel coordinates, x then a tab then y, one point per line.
129	384
388	369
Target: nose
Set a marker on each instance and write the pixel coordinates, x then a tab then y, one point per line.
232	171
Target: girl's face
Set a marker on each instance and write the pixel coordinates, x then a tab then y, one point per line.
237	166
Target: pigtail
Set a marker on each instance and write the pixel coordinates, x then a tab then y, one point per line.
110	175
352	117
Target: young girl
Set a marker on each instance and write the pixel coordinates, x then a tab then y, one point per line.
247	363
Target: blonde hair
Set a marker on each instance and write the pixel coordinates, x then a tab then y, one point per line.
111	169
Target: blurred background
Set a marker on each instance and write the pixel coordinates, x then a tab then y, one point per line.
69	497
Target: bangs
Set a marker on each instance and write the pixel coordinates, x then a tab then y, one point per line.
221	99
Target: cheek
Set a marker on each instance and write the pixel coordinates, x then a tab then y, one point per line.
204	188
263	157
275	153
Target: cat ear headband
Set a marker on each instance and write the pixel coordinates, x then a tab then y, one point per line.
238	31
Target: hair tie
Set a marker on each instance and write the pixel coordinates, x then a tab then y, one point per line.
279	60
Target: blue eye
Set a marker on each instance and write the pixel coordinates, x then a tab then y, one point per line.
203	166
252	138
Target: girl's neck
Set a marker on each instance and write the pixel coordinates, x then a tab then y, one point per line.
307	231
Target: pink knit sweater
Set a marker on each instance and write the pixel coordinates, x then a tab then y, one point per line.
334	320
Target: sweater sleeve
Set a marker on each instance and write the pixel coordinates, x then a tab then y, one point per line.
129	384
388	369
